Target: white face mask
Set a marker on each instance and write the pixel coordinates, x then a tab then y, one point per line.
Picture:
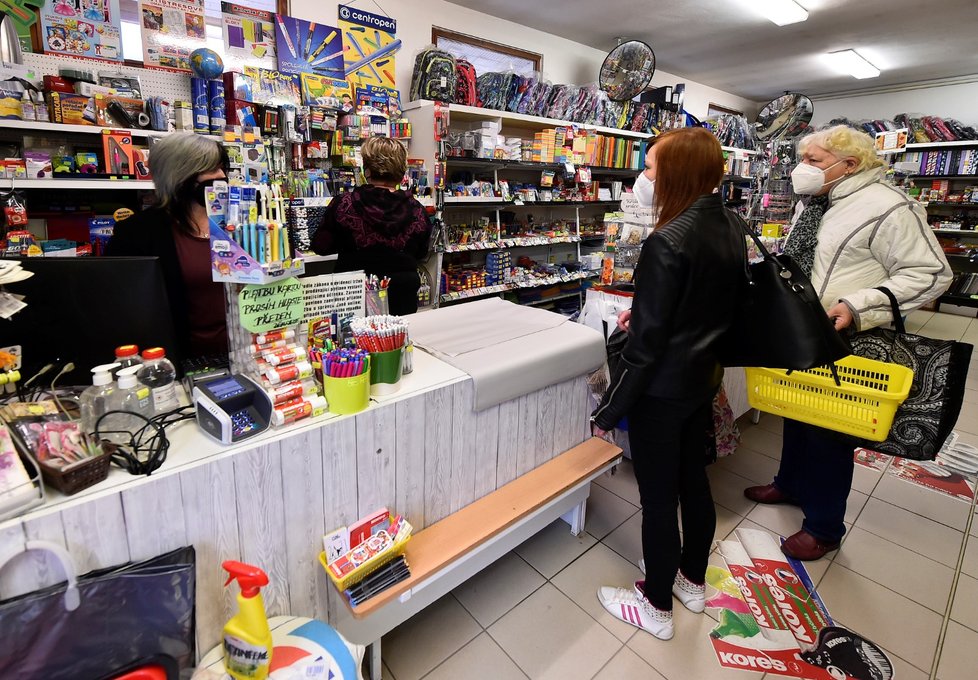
644	190
807	180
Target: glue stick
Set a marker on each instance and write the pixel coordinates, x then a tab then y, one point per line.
280	374
307	407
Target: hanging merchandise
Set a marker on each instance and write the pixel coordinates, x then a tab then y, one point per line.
249	37
434	78
82	28
171	30
369	47
308	47
465	78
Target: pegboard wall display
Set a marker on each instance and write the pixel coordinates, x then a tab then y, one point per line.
170	86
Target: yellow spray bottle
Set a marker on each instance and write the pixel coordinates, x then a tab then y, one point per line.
247	638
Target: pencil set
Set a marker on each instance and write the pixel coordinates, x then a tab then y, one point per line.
379	333
263	235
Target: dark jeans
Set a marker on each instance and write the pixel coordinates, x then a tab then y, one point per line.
669	456
816	471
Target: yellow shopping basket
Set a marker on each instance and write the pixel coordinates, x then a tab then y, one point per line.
863	404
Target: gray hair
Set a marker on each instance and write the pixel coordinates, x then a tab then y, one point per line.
178	157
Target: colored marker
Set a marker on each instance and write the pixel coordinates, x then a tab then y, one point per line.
288	38
312	28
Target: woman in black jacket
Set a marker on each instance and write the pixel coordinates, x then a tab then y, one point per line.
176	231
377	228
687	283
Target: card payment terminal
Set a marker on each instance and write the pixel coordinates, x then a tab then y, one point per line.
232	408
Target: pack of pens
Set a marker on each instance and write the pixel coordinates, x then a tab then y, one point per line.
352	554
380	580
285	371
249	237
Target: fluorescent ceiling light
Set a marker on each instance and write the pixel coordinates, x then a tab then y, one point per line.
847	61
781	12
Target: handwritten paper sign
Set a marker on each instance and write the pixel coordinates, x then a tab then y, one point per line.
270	306
340	293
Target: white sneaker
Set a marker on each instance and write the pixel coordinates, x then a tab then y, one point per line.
631	607
691	595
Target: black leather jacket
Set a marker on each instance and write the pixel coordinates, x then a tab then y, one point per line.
687	283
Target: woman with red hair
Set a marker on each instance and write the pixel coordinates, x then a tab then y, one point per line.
689	278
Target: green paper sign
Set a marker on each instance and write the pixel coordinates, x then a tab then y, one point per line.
266	307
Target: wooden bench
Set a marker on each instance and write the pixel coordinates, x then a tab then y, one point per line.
449	552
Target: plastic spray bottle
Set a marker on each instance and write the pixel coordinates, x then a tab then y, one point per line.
247	638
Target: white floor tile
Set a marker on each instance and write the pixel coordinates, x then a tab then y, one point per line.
599	566
922	501
783	520
727	521
554	548
606	512
959	658
757	438
854	505
970	566
422	642
626	540
477	660
551	638
865	480
889	619
970	396
919	534
757	467
904	670
917	319
621	482
498	588
728	490
965	608
689	654
916	577
946	326
968	419
626	664
771	423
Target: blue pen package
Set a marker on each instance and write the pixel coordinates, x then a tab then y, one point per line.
215	98
199	101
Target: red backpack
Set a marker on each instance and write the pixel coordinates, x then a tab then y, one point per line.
465	92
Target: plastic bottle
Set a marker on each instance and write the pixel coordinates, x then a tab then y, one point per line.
94	400
126	356
159	375
27	104
132	397
247	638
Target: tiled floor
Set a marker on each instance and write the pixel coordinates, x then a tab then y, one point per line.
534	613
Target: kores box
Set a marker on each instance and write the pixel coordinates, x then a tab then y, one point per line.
72	109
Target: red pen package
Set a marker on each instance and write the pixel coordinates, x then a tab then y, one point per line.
369	525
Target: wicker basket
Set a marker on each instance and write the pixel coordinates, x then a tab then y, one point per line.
81	475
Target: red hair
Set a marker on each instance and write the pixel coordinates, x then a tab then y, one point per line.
688	164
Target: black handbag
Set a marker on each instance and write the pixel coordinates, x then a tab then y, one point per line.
940	367
780	322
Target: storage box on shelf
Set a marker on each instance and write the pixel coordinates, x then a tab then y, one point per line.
943	176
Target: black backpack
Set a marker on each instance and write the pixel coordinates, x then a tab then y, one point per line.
434	76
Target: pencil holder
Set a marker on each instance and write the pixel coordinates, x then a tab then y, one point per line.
347	395
385	372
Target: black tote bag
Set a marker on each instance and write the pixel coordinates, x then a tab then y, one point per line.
102	622
780	322
940	367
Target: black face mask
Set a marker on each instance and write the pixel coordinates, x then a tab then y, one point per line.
200	190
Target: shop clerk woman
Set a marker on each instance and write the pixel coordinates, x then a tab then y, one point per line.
855	233
687	283
176	231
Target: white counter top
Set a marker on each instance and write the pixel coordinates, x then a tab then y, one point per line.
189	447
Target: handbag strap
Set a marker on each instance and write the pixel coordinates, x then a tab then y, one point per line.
895	308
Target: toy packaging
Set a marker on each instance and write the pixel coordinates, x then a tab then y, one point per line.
117	111
118	150
331	93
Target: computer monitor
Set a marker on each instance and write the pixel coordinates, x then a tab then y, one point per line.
80	309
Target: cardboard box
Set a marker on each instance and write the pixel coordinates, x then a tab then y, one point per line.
133	107
118	150
72	109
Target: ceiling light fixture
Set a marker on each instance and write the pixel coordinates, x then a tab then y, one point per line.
847	61
781	12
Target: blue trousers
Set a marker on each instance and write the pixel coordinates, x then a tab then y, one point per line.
816	471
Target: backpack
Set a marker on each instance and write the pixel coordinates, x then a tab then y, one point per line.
434	76
465	79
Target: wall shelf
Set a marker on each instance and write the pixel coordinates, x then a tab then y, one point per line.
56	183
942	145
39	126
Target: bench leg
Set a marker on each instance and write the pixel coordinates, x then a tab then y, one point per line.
755	416
575	517
374	665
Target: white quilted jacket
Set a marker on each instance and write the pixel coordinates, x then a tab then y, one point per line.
873	235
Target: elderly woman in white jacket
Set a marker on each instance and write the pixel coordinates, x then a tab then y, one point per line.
855	233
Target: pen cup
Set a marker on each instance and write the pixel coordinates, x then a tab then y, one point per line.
385	372
347	395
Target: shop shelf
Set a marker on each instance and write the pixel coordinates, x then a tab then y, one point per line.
941	145
496	202
518	242
963	206
960	300
38	126
956	232
56	183
956	177
552	298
